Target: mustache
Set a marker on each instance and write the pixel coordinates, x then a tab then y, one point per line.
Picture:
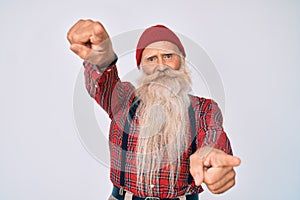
167	73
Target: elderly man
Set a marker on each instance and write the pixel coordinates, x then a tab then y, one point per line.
164	143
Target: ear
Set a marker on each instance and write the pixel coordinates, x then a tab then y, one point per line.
182	63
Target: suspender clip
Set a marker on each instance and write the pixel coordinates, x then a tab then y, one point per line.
188	190
121	191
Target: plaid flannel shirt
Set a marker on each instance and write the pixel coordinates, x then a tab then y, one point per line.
115	97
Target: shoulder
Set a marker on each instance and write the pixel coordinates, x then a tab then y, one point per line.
204	107
207	111
202	103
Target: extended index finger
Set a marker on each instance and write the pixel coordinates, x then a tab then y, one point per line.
220	159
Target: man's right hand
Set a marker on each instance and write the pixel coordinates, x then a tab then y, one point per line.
90	41
215	168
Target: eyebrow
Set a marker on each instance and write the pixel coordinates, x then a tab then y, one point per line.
163	53
149	56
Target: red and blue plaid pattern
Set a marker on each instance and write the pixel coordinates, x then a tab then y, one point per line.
115	97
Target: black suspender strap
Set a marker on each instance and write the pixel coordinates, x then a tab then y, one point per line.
193	134
132	111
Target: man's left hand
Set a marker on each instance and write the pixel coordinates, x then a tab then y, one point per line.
214	168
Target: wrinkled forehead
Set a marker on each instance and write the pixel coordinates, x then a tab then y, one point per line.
163	46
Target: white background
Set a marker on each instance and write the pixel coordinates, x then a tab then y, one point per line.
254	45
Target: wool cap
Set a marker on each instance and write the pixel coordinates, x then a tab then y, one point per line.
155	34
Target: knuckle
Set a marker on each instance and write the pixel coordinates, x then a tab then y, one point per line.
69	37
213	190
233	183
97	24
212	187
217	192
233	173
98	28
80	22
85	22
74	37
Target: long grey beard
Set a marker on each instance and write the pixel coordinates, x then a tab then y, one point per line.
163	124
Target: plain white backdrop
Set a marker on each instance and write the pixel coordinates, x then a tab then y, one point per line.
253	44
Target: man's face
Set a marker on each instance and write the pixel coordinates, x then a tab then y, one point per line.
159	56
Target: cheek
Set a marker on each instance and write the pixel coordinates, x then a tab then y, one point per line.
148	69
175	64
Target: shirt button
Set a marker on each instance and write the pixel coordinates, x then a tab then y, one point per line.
108	70
151	186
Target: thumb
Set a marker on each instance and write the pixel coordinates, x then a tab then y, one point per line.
196	169
198	177
81	50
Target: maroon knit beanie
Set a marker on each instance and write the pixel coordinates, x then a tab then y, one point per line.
155	34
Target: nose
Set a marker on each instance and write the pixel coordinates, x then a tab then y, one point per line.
161	65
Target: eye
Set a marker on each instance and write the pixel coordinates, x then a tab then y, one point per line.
150	59
168	56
